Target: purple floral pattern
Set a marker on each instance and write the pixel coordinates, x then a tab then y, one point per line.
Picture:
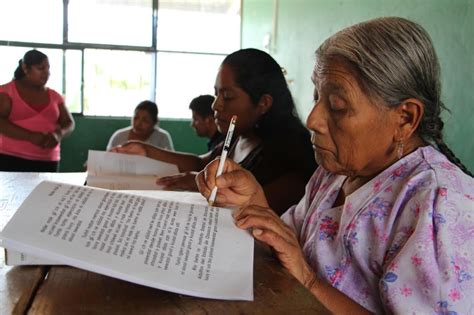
403	243
328	228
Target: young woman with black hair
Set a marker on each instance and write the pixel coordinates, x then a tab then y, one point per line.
269	136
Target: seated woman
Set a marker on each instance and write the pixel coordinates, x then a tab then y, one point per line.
144	128
33	118
387	221
268	135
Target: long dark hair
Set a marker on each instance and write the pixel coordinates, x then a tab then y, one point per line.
257	73
396	60
31	58
285	140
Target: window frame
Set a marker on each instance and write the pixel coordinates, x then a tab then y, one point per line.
80	46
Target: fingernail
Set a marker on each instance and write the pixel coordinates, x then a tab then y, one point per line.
257	232
236	213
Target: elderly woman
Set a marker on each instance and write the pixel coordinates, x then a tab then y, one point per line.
387	221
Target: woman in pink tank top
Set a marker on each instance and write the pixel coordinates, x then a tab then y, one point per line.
33	118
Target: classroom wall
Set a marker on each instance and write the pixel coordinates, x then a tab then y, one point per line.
302	25
93	133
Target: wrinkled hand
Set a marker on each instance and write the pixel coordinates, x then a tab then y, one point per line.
182	181
131	147
268	228
236	186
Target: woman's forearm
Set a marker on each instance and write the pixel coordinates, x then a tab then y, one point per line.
66	129
186	162
66	122
333	299
13	131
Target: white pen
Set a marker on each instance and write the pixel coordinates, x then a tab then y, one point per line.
225	151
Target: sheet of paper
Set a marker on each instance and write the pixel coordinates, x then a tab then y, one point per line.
103	162
117	182
186	248
14	258
182	196
11	197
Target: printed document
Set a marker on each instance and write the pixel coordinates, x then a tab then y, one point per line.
120	171
187	248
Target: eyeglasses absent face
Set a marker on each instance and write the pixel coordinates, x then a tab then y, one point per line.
232	100
351	134
143	123
37	74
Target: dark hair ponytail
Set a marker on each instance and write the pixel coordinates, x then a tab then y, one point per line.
431	128
18	74
31	58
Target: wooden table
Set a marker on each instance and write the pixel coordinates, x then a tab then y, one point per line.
68	290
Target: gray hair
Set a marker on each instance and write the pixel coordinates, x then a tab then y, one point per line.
395	60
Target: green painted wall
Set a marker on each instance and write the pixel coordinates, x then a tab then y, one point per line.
93	133
302	25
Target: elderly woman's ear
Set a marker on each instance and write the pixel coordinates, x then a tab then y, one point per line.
409	114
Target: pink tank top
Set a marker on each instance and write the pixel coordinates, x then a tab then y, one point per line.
44	119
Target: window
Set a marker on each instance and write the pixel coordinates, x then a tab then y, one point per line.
73	79
181	25
180	78
32	21
108	55
116	81
118	22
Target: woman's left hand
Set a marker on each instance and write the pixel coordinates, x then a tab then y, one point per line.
268	228
131	147
182	181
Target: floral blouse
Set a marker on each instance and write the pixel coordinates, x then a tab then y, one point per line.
402	243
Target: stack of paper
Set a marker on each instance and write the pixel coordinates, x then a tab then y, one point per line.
189	248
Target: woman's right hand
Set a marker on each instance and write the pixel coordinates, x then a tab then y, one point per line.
267	227
236	186
131	147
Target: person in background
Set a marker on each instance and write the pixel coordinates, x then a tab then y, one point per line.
268	135
203	120
33	118
204	125
144	128
386	224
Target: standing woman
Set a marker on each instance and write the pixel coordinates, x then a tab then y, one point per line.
33	118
